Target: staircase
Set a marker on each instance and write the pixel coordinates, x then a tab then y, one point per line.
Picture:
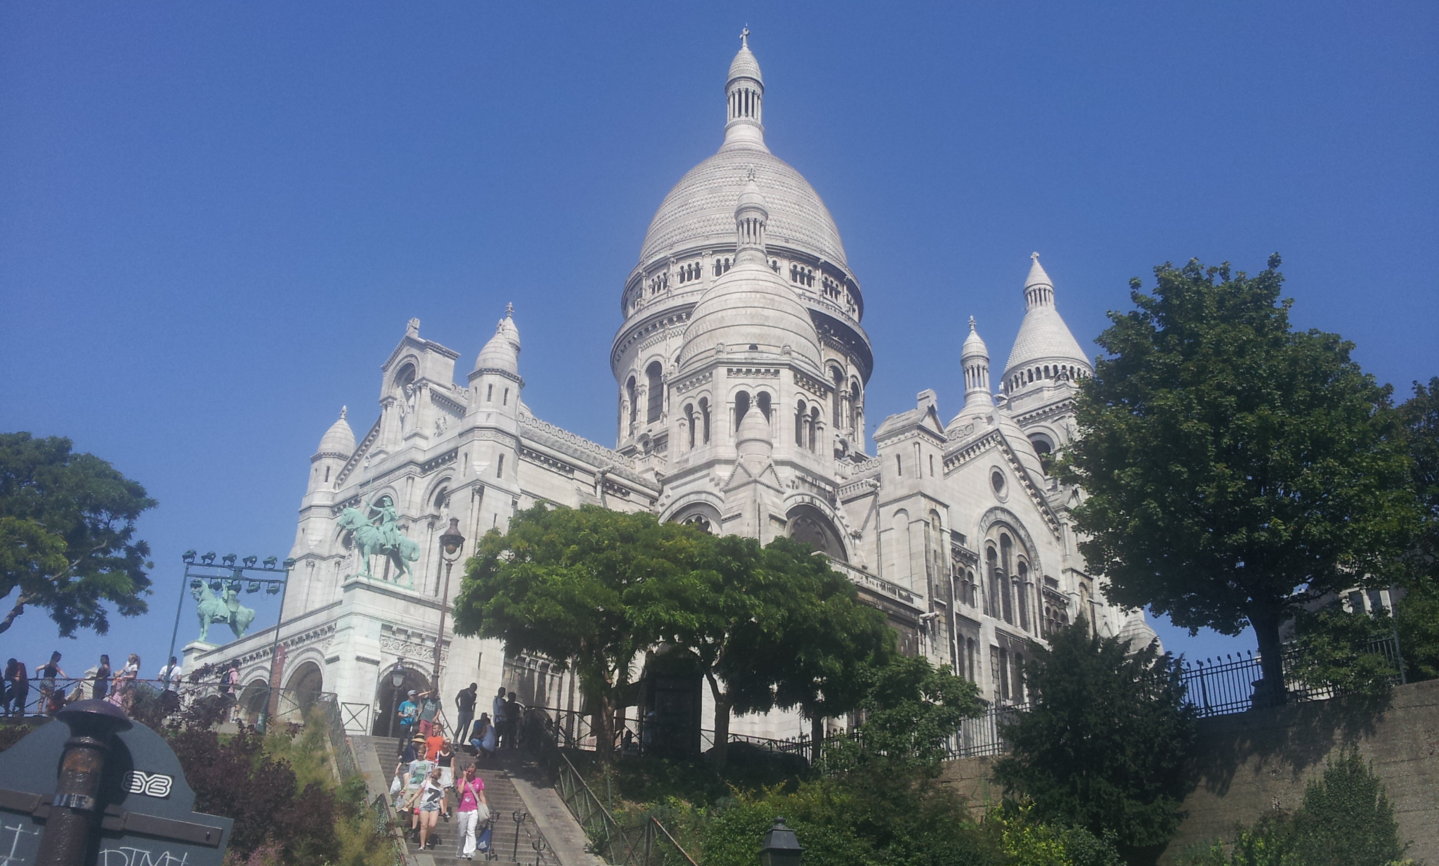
514	788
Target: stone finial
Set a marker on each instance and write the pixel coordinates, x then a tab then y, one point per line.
344	410
412	328
509	310
1034	256
744	37
971	324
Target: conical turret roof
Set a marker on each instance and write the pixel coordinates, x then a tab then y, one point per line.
1043	336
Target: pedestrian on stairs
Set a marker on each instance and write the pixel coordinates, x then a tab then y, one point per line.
474	810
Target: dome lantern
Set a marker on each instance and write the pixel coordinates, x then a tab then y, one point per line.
744	100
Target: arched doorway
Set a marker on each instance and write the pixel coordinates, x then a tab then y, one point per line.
253	698
388	697
301	692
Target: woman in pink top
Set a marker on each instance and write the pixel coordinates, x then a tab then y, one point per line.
473	809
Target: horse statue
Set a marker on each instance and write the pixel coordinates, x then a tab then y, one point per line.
211	608
384	540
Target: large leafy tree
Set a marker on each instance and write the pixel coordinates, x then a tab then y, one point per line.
67	535
1420	415
563	582
1234	468
1105	741
769	626
910	709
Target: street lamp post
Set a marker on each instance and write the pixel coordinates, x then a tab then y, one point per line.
781	846
201	569
450	544
397	682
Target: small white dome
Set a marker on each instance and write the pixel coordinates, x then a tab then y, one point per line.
502	353
339	440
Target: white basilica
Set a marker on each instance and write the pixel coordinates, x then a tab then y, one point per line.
741	365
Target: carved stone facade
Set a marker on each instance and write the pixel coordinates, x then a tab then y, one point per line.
741	365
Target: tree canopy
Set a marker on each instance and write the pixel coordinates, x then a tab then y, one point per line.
1105	741
67	535
562	583
1233	467
592	588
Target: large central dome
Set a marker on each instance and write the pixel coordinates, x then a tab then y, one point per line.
699	211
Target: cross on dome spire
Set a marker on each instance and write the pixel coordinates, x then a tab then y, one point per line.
509	310
744	37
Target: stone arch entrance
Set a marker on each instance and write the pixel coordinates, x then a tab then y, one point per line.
253	698
301	691
386	700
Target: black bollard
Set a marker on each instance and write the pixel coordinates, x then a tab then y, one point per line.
74	819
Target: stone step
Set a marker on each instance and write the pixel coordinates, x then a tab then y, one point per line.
505	802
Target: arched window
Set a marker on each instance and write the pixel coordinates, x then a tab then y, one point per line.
799	424
1021	589
632	402
991	571
1006	560
814	428
741	406
762	401
688	425
836	378
705	420
654	379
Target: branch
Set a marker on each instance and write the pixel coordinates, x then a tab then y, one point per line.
15	611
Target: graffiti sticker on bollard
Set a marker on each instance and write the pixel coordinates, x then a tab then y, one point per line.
95	788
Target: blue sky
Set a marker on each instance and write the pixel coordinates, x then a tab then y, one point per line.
216	218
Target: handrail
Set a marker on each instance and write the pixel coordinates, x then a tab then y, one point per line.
649	844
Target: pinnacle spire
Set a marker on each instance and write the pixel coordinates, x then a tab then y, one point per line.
744	99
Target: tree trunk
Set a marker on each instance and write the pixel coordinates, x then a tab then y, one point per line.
816	733
1271	691
604	725
722	710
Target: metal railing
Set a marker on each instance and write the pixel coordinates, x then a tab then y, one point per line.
647	844
1218	687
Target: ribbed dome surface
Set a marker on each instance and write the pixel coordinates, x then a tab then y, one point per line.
699	211
745	65
750	306
339	439
502	352
1043	336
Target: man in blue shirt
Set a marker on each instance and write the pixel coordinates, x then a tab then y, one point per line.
408	713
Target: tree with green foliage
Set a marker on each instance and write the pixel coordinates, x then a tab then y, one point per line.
910	711
1346	820
1340	650
565	582
771	626
1233	468
67	535
1105	741
1420	416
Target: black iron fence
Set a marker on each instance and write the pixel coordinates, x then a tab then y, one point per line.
1221	686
